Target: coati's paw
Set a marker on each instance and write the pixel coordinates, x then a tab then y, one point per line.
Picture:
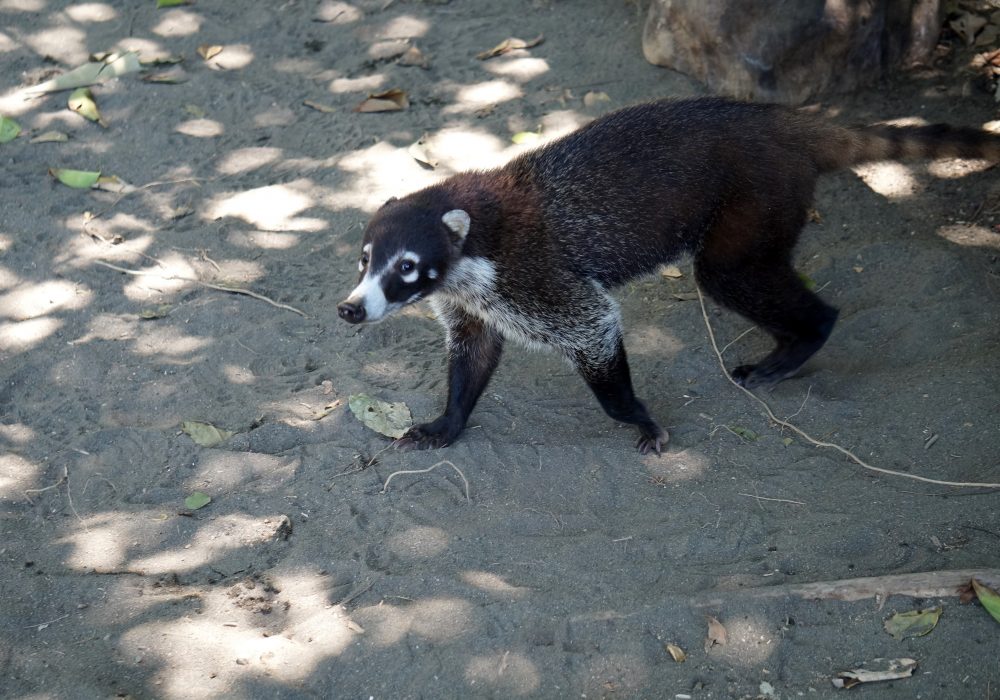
426	436
752	376
652	439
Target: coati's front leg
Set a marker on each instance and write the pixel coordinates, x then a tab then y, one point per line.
609	378
473	353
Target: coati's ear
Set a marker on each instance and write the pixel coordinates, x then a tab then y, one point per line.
458	221
389	201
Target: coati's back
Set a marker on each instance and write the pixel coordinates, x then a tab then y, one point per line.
646	183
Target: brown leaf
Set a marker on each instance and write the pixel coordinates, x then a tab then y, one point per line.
592	98
319	107
414	57
676	653
394	100
209	51
508	45
717	635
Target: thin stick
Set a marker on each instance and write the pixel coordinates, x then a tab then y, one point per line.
925	584
820	443
729	344
385	486
219	287
776	500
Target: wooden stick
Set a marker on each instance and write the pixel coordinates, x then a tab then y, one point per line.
924	584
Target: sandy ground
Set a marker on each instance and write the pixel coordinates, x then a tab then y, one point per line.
575	560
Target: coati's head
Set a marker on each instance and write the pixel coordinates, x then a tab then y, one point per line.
406	251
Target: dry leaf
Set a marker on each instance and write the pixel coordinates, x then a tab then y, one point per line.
508	45
413	57
205	434
595	98
171	76
913	623
112	183
209	51
672	271
394	100
525	137
325	109
814	216
418	151
717	635
886	670
676	653
389	419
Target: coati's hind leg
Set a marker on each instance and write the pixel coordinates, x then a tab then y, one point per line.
609	378
474	350
768	291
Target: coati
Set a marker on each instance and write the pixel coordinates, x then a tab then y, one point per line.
529	251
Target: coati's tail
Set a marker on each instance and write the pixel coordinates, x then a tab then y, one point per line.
846	147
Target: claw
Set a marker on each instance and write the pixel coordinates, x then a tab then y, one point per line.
652	443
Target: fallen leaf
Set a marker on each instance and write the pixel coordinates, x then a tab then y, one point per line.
858	269
172	3
197	500
159	312
9	129
508	45
814	216
326	109
82	102
886	670
209	51
113	183
77	179
414	57
744	433
808	281
167	60
418	151
389	419
671	271
205	434
327	410
787	441
717	635
913	623
195	111
676	653
327	387
171	76
989	598
112	66
592	98
393	100
50	137
525	137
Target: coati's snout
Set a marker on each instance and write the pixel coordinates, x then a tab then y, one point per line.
400	263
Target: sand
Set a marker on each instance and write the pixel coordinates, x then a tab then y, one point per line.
574	560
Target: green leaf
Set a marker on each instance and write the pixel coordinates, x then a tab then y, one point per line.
82	102
197	500
744	433
389	419
205	434
787	441
808	281
111	66
171	3
525	137
159	312
50	137
989	598
78	179
914	623
9	129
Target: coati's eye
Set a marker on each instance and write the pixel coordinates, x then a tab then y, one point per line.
406	267
364	260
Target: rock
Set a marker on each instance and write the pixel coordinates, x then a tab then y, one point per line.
789	50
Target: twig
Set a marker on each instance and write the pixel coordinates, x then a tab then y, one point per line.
926	584
820	443
727	346
776	500
219	287
385	486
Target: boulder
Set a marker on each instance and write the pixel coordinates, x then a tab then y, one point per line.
789	50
